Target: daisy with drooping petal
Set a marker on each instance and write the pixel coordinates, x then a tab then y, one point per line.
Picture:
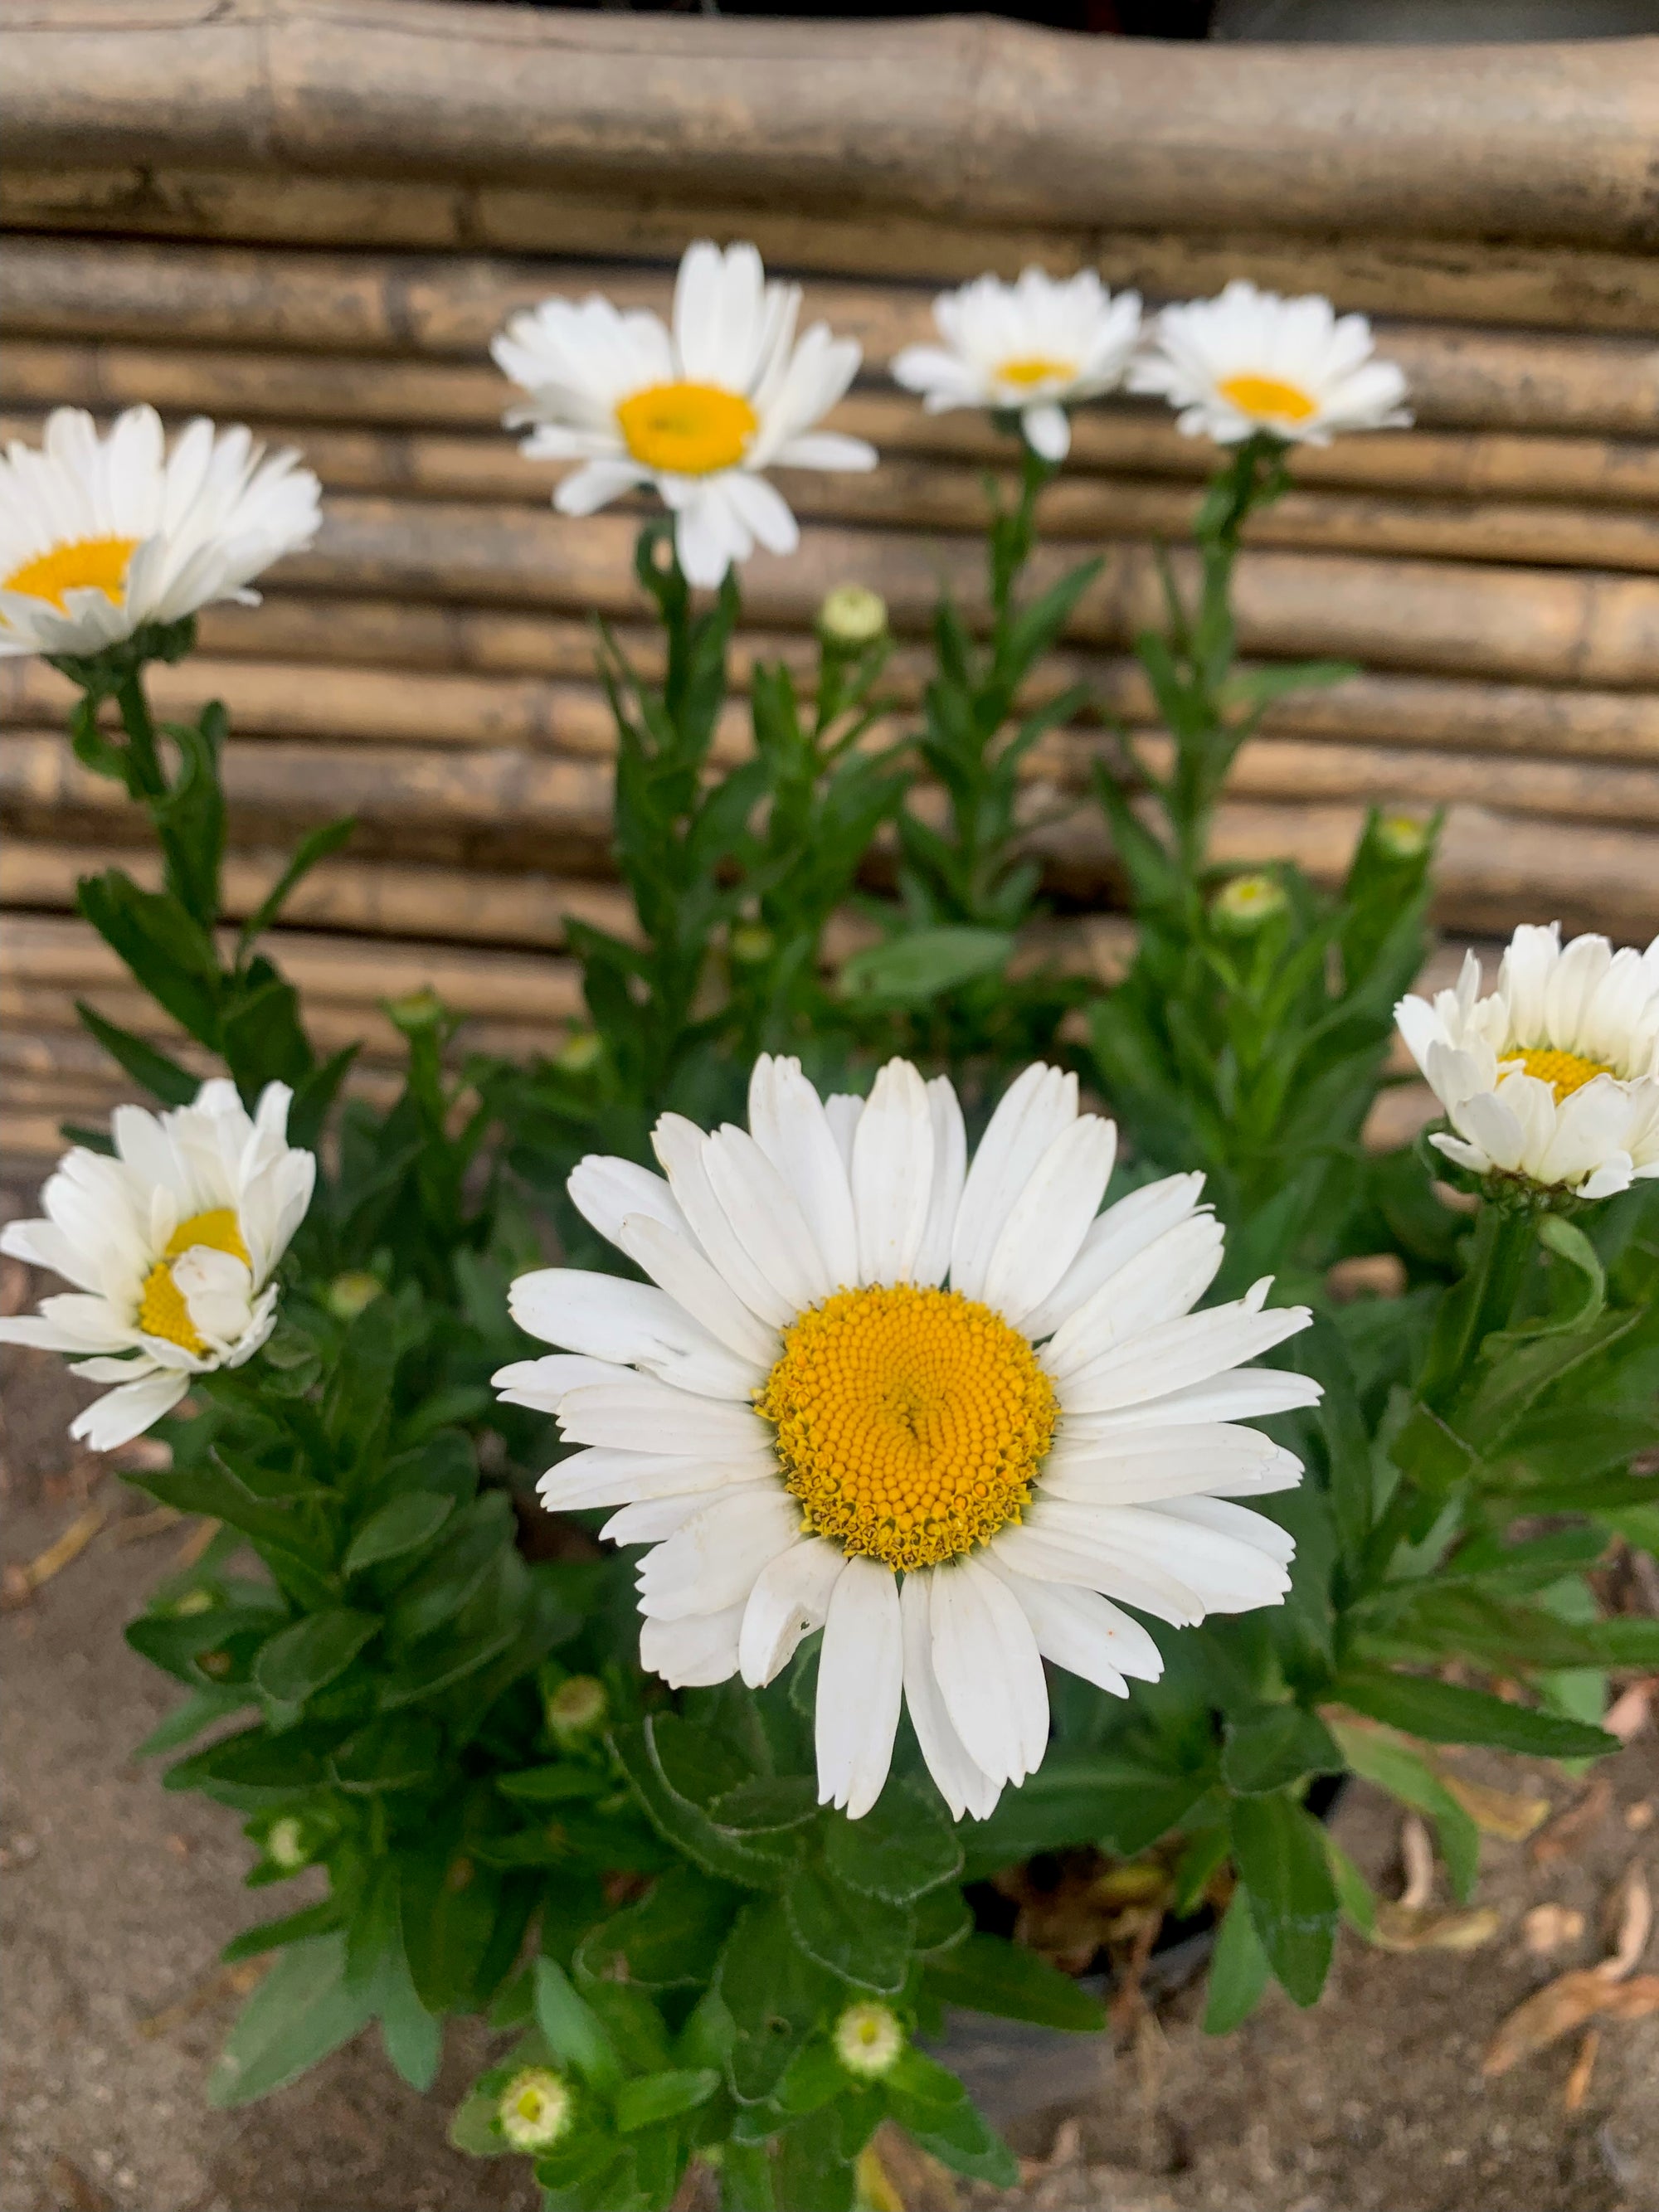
946	1411
699	412
1552	1078
100	535
1033	348
1250	362
171	1246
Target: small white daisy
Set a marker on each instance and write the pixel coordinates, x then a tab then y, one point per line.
171	1246
98	537
1034	348
1249	361
698	412
1554	1077
812	1431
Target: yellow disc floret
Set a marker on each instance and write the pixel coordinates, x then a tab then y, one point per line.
1035	369
1565	1072
90	563
161	1307
687	429
911	1423
1268	398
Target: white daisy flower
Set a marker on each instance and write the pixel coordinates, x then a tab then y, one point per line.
1249	361
1034	348
699	411
171	1246
812	1431
99	536
1554	1077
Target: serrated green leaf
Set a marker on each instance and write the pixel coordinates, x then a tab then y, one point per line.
1280	1856
1444	1712
1239	1969
984	1973
902	1847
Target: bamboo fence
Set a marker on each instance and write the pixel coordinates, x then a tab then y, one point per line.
311	214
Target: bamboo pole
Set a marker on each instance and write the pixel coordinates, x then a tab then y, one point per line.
376	304
1460	617
970	117
1478	280
374	395
913	494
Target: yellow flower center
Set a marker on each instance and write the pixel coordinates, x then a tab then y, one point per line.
1036	368
161	1307
687	429
1565	1072
535	2109
1268	398
911	1423
98	563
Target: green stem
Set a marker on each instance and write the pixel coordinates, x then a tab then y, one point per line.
143	754
1485	1300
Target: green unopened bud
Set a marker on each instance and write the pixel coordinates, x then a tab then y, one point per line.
349	1294
751	943
577	1707
580	1053
287	1846
851	616
415	1010
536	2108
869	2040
193	1602
1402	836
1248	901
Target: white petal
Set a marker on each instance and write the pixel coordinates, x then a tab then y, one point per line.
1047	431
990	1672
892	1174
965	1787
950	1171
1244	1394
1144	1464
692	1654
791	1127
543	1384
1082	1631
121	1415
605	1191
1227	1575
769	1222
1163	1283
673	1262
1227	1519
1061	1543
641	1414
609	1318
790	1599
713	1559
861	1687
843	1109
679	1146
1113	1240
602	1475
1177	1352
1038	1107
1050	1218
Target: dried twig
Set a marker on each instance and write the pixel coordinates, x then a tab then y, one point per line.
21	1583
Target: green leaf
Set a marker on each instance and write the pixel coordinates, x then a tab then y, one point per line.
766	1805
669	1940
300	2012
653	2097
200	1711
775	1995
925	963
1269	1750
572	2027
1354	1895
987	1974
294	1665
1444	1713
1082	1797
678	1773
316	846
275	1934
935	2108
157	1071
905	1847
403	1526
1280	1856
477	1536
863	1940
399	1751
1239	1969
168	953
1395	1767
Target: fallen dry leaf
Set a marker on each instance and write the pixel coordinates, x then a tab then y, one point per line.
75	2190
1639	1817
194	1545
21	1583
1548	1928
1567	1834
1632	2000
138	1526
1583	2066
1632	1907
1628	1716
1434	1926
1511	1815
226	1981
1560	2006
1417	1856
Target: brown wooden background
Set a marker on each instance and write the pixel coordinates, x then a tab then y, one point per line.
311	215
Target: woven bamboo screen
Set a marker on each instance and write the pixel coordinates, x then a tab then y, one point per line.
311	215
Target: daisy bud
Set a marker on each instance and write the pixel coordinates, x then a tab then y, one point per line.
1402	836
576	1708
580	1053
536	2108
286	1844
751	943
348	1295
415	1010
1244	904
851	616
868	2040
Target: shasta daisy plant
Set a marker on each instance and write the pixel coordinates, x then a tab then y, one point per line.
945	1410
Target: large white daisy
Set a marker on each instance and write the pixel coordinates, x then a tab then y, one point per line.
1249	361
1554	1077
1034	348
99	536
698	412
171	1246
950	1414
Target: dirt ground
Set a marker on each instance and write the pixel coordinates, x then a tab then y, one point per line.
117	1897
